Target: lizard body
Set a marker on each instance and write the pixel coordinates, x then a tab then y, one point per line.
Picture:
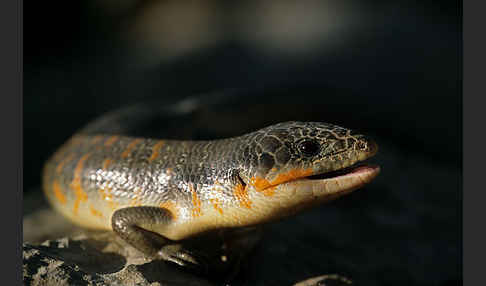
154	192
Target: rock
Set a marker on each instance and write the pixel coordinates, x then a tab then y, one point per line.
101	259
325	280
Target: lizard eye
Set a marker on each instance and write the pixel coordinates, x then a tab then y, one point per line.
309	148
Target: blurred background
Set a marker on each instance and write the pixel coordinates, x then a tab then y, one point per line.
391	68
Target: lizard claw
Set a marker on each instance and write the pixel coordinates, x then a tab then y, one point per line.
175	253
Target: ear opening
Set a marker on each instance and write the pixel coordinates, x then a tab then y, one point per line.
235	176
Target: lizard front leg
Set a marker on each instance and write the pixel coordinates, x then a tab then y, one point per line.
131	223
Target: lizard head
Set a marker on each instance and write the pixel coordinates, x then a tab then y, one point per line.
304	162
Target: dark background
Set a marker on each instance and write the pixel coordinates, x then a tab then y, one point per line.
391	68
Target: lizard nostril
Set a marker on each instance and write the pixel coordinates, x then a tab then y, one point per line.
372	147
362	145
367	144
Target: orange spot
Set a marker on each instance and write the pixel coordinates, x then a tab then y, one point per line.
95	212
81	196
107	162
156	150
58	193
111	140
216	206
130	148
196	202
241	194
170	206
63	162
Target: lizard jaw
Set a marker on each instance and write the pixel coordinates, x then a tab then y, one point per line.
294	196
335	186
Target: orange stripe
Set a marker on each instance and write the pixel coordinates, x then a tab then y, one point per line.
216	206
130	148
81	196
111	140
107	162
95	212
261	184
292	175
58	193
79	169
196	202
156	150
241	194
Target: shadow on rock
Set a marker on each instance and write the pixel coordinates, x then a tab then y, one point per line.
87	254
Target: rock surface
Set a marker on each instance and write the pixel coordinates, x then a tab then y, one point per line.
97	259
102	258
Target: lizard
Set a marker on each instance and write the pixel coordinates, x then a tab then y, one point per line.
154	193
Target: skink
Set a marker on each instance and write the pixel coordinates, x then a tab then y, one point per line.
154	193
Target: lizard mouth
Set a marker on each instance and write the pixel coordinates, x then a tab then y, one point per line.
338	173
335	183
339	182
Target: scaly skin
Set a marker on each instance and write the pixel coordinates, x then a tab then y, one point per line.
153	192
